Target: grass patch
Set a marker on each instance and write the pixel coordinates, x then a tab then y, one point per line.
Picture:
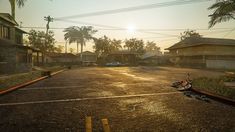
16	79
215	86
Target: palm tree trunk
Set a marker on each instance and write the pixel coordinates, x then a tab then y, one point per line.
13	7
66	46
77	47
81	49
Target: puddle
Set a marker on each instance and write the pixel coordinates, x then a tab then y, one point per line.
152	108
137	77
107	75
118	84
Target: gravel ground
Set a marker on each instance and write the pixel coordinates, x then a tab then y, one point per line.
62	102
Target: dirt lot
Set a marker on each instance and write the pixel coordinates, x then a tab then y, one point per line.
133	99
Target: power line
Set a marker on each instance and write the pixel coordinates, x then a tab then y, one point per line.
134	8
229	32
140	29
114	27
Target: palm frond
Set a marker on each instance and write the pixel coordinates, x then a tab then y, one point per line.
20	3
223	11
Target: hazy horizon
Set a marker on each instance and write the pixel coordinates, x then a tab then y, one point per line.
169	20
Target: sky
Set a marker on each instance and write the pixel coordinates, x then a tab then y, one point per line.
189	16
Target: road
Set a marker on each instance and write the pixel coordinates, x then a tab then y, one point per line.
132	99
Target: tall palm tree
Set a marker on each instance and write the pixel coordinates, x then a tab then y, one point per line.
79	35
224	10
72	34
20	3
87	33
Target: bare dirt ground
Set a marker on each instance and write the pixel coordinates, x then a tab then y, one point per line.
133	99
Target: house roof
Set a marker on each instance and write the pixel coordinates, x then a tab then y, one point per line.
87	53
150	54
7	17
122	52
20	30
195	41
60	55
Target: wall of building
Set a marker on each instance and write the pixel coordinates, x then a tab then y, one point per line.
14	59
204	50
8	59
89	58
220	64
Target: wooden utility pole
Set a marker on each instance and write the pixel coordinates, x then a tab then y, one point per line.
48	19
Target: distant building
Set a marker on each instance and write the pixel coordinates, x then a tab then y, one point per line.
88	57
151	58
14	56
60	58
204	52
124	57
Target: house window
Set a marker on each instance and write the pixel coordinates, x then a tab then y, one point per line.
19	39
4	32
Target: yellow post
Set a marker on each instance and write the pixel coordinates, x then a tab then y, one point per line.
88	124
105	125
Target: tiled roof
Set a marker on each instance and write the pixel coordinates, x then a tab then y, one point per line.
122	52
9	18
67	55
195	41
87	53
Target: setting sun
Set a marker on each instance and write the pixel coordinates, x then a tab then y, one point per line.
131	28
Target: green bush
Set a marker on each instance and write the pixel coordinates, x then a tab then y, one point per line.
215	85
16	79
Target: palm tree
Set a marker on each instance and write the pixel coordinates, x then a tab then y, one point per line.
86	33
20	3
79	35
224	10
73	35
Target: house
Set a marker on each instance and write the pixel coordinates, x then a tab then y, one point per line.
151	58
124	57
65	58
204	52
88	57
14	56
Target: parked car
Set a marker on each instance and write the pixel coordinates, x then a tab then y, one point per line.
114	64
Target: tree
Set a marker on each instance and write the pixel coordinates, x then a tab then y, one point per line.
224	10
152	47
188	34
72	35
115	45
20	3
135	45
79	35
71	50
59	49
103	46
42	41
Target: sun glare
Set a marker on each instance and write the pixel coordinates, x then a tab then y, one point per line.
131	28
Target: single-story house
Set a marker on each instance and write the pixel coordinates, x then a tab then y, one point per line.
204	52
14	56
124	57
151	58
88	57
60	58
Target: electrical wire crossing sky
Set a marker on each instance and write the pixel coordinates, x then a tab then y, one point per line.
160	21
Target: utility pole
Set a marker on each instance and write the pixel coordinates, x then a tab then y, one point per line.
48	19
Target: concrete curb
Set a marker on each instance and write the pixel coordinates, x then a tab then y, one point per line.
216	97
7	90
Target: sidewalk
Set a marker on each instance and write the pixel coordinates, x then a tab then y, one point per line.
16	81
